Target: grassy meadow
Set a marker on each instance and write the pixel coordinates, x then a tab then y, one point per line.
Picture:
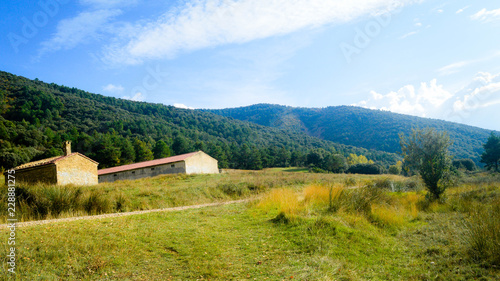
301	226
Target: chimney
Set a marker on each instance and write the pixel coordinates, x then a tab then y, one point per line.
67	148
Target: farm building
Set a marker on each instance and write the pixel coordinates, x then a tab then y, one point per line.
191	163
70	168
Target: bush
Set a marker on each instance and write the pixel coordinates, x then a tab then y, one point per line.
394	170
367	169
483	234
466	164
40	200
96	203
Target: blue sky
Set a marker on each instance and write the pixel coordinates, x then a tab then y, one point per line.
436	59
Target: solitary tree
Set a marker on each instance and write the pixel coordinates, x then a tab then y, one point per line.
426	151
491	155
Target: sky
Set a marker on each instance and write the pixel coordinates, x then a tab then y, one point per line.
435	59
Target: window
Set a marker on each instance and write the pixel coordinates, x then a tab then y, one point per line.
152	169
115	175
172	166
133	172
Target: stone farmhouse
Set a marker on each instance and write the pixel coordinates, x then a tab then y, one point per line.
70	168
191	163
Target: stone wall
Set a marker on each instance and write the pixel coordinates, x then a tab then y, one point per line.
170	168
201	163
76	170
46	173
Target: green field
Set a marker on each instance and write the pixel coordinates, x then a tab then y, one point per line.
293	232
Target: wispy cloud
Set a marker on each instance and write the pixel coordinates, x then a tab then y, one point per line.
462	10
486	16
202	24
452	68
408	34
78	30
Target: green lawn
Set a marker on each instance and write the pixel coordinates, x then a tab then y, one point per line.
232	242
250	242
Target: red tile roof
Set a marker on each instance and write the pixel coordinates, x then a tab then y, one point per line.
48	161
146	164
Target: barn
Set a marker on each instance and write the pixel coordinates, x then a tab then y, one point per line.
70	168
191	163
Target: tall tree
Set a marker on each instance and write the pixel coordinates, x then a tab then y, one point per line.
143	153
180	145
161	150
491	155
427	152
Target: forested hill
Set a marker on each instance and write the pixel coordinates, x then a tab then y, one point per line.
36	117
371	129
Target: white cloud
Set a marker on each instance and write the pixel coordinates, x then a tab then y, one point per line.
116	89
202	24
78	30
486	16
461	10
475	104
183	106
137	97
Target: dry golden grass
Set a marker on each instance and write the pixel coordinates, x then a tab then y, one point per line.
283	200
392	216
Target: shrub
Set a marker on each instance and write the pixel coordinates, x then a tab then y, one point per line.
394	169
483	234
466	164
96	203
367	169
40	200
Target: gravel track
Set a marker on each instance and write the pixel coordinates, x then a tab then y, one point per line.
173	209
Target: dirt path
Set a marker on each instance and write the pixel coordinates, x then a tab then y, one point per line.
30	223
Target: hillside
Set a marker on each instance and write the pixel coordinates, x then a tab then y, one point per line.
35	118
349	125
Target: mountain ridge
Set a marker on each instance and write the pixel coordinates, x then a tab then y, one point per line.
35	117
360	127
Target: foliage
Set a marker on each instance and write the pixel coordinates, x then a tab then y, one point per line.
466	164
354	159
360	127
427	152
491	155
36	117
366	169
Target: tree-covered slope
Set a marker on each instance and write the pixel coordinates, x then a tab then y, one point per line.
349	125
36	117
